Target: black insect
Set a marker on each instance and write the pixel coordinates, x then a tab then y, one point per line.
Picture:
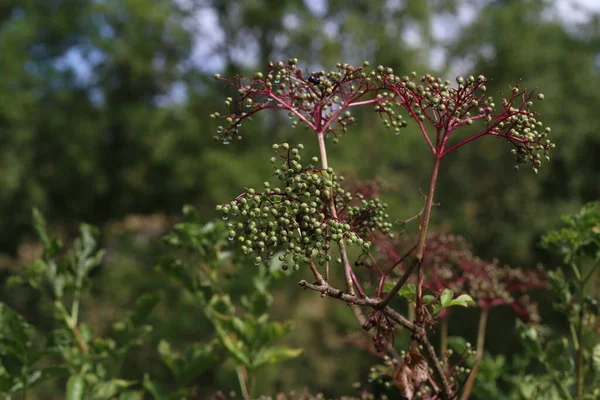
315	80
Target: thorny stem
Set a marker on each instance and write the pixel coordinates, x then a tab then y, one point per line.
478	353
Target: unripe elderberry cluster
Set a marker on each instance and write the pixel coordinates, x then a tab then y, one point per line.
293	214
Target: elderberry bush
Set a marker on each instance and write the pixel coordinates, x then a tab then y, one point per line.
292	215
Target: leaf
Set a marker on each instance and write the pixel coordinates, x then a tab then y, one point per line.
275	330
151	387
132	395
75	387
168	356
198	359
85	246
143	307
273	355
158	392
235	347
51	246
39	376
530	338
106	390
446	296
457	343
464	300
428	298
407	291
46	374
15	333
257	303
596	358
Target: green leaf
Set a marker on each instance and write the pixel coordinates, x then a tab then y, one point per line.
198	359
151	387
446	296
273	355
107	390
15	333
235	347
257	303
143	307
158	392
47	374
464	300
75	387
457	343
51	246
428	298
275	330
85	246
168	356
39	376
556	352
596	358
132	395
530	338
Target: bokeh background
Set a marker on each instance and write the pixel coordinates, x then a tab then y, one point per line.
104	118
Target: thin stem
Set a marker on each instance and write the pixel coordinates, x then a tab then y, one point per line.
242	375
421	243
443	336
579	371
388	297
590	273
576	271
427	210
423	234
478	353
357	301
77	296
72	326
558	380
316	272
421	337
343	253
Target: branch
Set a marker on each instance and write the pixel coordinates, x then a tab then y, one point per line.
354	300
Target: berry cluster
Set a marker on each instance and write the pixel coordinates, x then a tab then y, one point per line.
293	215
450	264
320	100
384	330
447	107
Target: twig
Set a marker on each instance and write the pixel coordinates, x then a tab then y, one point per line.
478	354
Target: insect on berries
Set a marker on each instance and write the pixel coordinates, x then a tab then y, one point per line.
315	80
